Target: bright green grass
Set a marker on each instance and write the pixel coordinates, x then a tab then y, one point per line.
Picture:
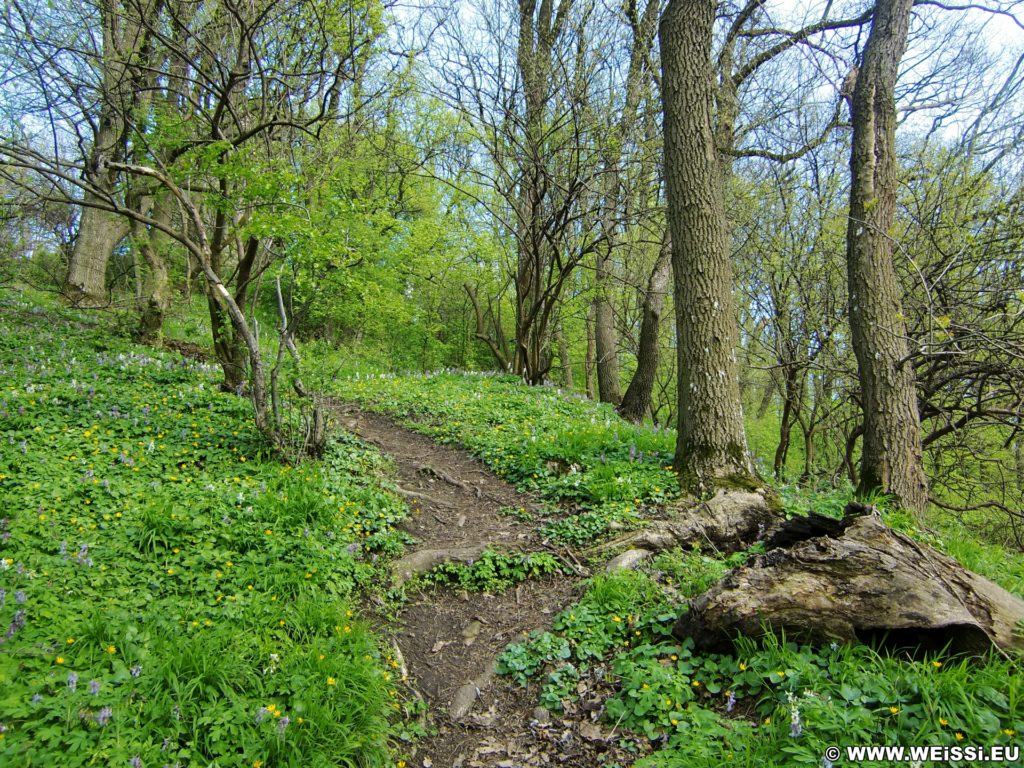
563	447
170	593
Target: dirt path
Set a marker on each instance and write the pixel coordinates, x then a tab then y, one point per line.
450	640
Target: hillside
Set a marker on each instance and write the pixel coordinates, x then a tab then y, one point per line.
172	593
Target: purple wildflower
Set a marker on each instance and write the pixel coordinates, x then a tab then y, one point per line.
103	716
3	596
730	703
261	715
37	699
136	670
20	597
135	762
282	724
72	681
16	623
795	726
94	687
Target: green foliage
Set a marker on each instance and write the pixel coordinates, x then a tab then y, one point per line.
618	611
495	571
566	449
831	502
771	702
168	592
691	572
802	700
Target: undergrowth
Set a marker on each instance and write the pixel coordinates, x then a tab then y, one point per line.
168	594
494	571
604	472
771	702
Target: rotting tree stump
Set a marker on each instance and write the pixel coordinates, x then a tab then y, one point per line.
855	580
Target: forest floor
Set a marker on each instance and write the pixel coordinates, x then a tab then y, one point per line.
450	640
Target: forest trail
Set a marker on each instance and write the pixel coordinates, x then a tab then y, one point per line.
450	639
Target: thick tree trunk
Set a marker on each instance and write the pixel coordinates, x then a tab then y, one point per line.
855	580
637	400
99	232
711	446
891	454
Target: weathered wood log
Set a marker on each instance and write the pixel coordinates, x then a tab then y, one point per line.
856	581
727	522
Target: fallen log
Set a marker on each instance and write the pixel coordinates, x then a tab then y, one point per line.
855	580
727	522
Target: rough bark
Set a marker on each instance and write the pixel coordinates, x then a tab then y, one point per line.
605	338
728	522
564	359
891	454
637	401
711	445
588	363
855	580
154	294
99	232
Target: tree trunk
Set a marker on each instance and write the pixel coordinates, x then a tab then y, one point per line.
99	232
604	333
643	25
588	362
154	290
539	28
637	400
823	580
792	404
564	360
891	454
711	446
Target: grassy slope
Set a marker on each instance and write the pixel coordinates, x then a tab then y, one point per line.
170	593
771	703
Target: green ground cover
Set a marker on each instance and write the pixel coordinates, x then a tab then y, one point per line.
563	447
770	701
169	594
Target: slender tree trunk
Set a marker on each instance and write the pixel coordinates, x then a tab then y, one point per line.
604	332
891	454
154	295
539	27
711	446
791	403
643	26
564	359
637	400
588	362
